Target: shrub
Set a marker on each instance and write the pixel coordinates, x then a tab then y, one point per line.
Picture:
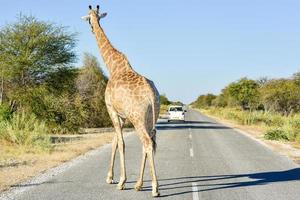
25	130
204	101
276	134
5	112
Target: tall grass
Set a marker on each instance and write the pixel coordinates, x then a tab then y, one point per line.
25	130
277	127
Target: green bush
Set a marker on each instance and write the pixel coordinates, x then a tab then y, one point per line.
281	95
244	92
5	112
276	134
25	130
204	101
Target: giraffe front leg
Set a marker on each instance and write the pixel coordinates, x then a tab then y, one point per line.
118	142
121	147
110	173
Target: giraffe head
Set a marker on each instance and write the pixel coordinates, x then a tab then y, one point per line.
94	14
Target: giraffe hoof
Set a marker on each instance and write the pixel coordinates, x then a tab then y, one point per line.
121	186
109	180
155	194
138	187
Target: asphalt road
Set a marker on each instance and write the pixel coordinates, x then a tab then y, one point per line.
198	159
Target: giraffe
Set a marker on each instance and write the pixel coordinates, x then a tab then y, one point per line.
128	96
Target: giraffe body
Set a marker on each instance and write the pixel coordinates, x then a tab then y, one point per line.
128	96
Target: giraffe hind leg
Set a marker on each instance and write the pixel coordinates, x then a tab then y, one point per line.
139	184
148	153
117	143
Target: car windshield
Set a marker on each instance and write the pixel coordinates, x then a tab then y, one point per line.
176	109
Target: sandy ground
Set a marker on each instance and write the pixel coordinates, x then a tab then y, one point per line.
289	149
23	165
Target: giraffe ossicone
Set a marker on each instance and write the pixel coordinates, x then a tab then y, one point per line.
128	96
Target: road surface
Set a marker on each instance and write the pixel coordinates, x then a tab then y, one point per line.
199	159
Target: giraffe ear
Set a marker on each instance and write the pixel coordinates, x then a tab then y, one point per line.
102	15
86	18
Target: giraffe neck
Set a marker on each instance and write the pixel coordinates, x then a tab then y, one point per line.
114	60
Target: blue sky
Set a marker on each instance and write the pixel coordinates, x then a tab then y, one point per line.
187	47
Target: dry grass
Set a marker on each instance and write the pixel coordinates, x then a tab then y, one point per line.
17	165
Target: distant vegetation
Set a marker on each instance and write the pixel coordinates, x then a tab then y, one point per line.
41	91
273	104
165	103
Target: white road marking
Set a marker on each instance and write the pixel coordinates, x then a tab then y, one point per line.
190	133
195	191
191	152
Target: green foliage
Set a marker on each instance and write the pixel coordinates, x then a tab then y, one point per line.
32	49
245	93
276	134
277	127
91	83
164	100
5	112
60	112
281	95
37	78
204	101
35	66
272	104
177	103
275	95
220	101
25	130
62	80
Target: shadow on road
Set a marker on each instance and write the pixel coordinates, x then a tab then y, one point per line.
185	122
173	125
225	181
21	185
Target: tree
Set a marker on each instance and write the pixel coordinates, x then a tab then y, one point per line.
245	92
30	51
36	72
91	85
281	95
164	100
204	101
177	103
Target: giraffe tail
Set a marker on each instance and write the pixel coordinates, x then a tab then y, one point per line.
153	131
153	138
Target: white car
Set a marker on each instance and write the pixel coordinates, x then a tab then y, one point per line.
176	113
